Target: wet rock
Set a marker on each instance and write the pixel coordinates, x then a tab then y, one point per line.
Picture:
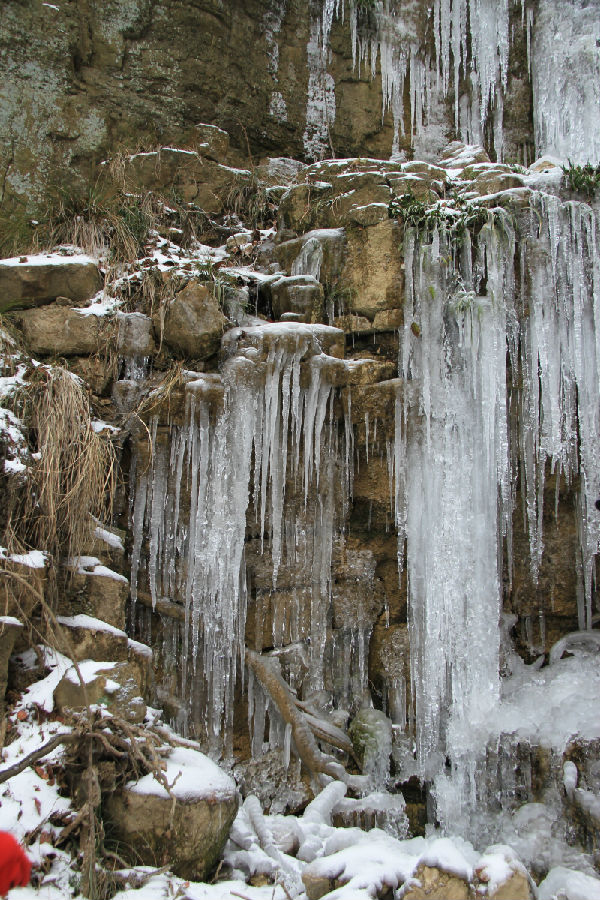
371	735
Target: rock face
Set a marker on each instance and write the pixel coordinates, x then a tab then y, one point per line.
290	83
188	829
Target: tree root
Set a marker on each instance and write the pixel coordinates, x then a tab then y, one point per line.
317	763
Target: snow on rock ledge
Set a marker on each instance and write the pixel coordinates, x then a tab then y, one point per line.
187	829
30	281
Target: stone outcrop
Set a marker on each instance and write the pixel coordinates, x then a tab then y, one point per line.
37	280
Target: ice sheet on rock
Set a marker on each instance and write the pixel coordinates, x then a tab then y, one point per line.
565	884
457	497
283	428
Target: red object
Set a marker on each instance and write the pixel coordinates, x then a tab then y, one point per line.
15	868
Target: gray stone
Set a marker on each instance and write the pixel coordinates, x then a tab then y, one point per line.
134	335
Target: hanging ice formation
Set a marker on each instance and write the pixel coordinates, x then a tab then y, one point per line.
566	40
320	103
476	308
469	62
275	433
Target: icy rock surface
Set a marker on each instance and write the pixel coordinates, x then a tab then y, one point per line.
565	67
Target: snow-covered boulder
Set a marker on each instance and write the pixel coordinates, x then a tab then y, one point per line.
186	828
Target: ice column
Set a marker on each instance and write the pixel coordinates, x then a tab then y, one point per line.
456	450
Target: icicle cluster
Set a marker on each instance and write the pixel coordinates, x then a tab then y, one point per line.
565	67
475	308
276	428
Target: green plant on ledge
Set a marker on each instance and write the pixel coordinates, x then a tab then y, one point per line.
582	179
454	216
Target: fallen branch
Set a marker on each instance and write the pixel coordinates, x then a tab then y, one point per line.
315	761
66	737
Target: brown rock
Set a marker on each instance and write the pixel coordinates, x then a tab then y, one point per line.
437	885
9	628
316	885
188	833
388	320
194	323
61	331
25	285
515	888
373	272
115	686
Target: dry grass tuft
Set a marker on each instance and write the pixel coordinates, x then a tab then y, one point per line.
73	476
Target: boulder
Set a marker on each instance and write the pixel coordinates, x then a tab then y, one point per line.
61	331
40	279
300	294
194	323
134	335
115	685
430	883
500	875
316	885
90	638
185	829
